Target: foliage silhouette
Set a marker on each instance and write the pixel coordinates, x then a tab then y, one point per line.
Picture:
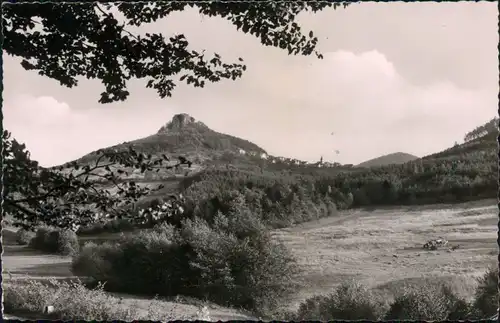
66	40
74	195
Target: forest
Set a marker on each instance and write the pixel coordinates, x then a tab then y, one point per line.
462	173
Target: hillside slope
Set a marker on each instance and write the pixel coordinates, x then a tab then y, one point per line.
224	165
465	172
183	135
390	159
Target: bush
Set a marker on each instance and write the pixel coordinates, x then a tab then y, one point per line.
93	261
64	242
73	301
144	263
428	302
230	261
349	301
485	302
23	237
235	262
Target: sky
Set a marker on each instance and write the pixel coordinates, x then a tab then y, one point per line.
396	77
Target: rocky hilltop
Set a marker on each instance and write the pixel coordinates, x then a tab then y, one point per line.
179	122
184	135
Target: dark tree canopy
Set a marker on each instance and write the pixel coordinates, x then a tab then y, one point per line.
64	41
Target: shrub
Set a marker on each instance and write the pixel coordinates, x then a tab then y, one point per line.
485	302
38	241
349	301
230	261
428	302
235	262
23	237
144	263
93	261
64	242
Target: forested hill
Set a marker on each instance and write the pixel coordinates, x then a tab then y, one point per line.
462	173
284	191
390	159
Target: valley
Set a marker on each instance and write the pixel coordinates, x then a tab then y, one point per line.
383	248
380	248
213	161
340	223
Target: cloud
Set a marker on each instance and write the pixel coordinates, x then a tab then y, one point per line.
372	109
289	107
55	133
43	110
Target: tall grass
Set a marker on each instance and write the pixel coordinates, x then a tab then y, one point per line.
73	301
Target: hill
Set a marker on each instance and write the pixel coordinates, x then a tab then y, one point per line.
465	172
183	135
205	148
390	159
228	170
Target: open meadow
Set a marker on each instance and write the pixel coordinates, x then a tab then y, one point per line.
383	248
379	248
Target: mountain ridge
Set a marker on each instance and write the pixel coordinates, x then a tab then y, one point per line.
224	165
184	136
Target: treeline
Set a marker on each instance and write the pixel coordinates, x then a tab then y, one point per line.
444	180
278	199
487	143
482	130
282	198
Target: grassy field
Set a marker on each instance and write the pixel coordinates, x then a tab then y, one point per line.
381	248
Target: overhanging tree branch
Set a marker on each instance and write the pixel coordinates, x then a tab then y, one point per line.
76	41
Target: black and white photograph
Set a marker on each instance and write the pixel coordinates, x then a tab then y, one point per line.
262	161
